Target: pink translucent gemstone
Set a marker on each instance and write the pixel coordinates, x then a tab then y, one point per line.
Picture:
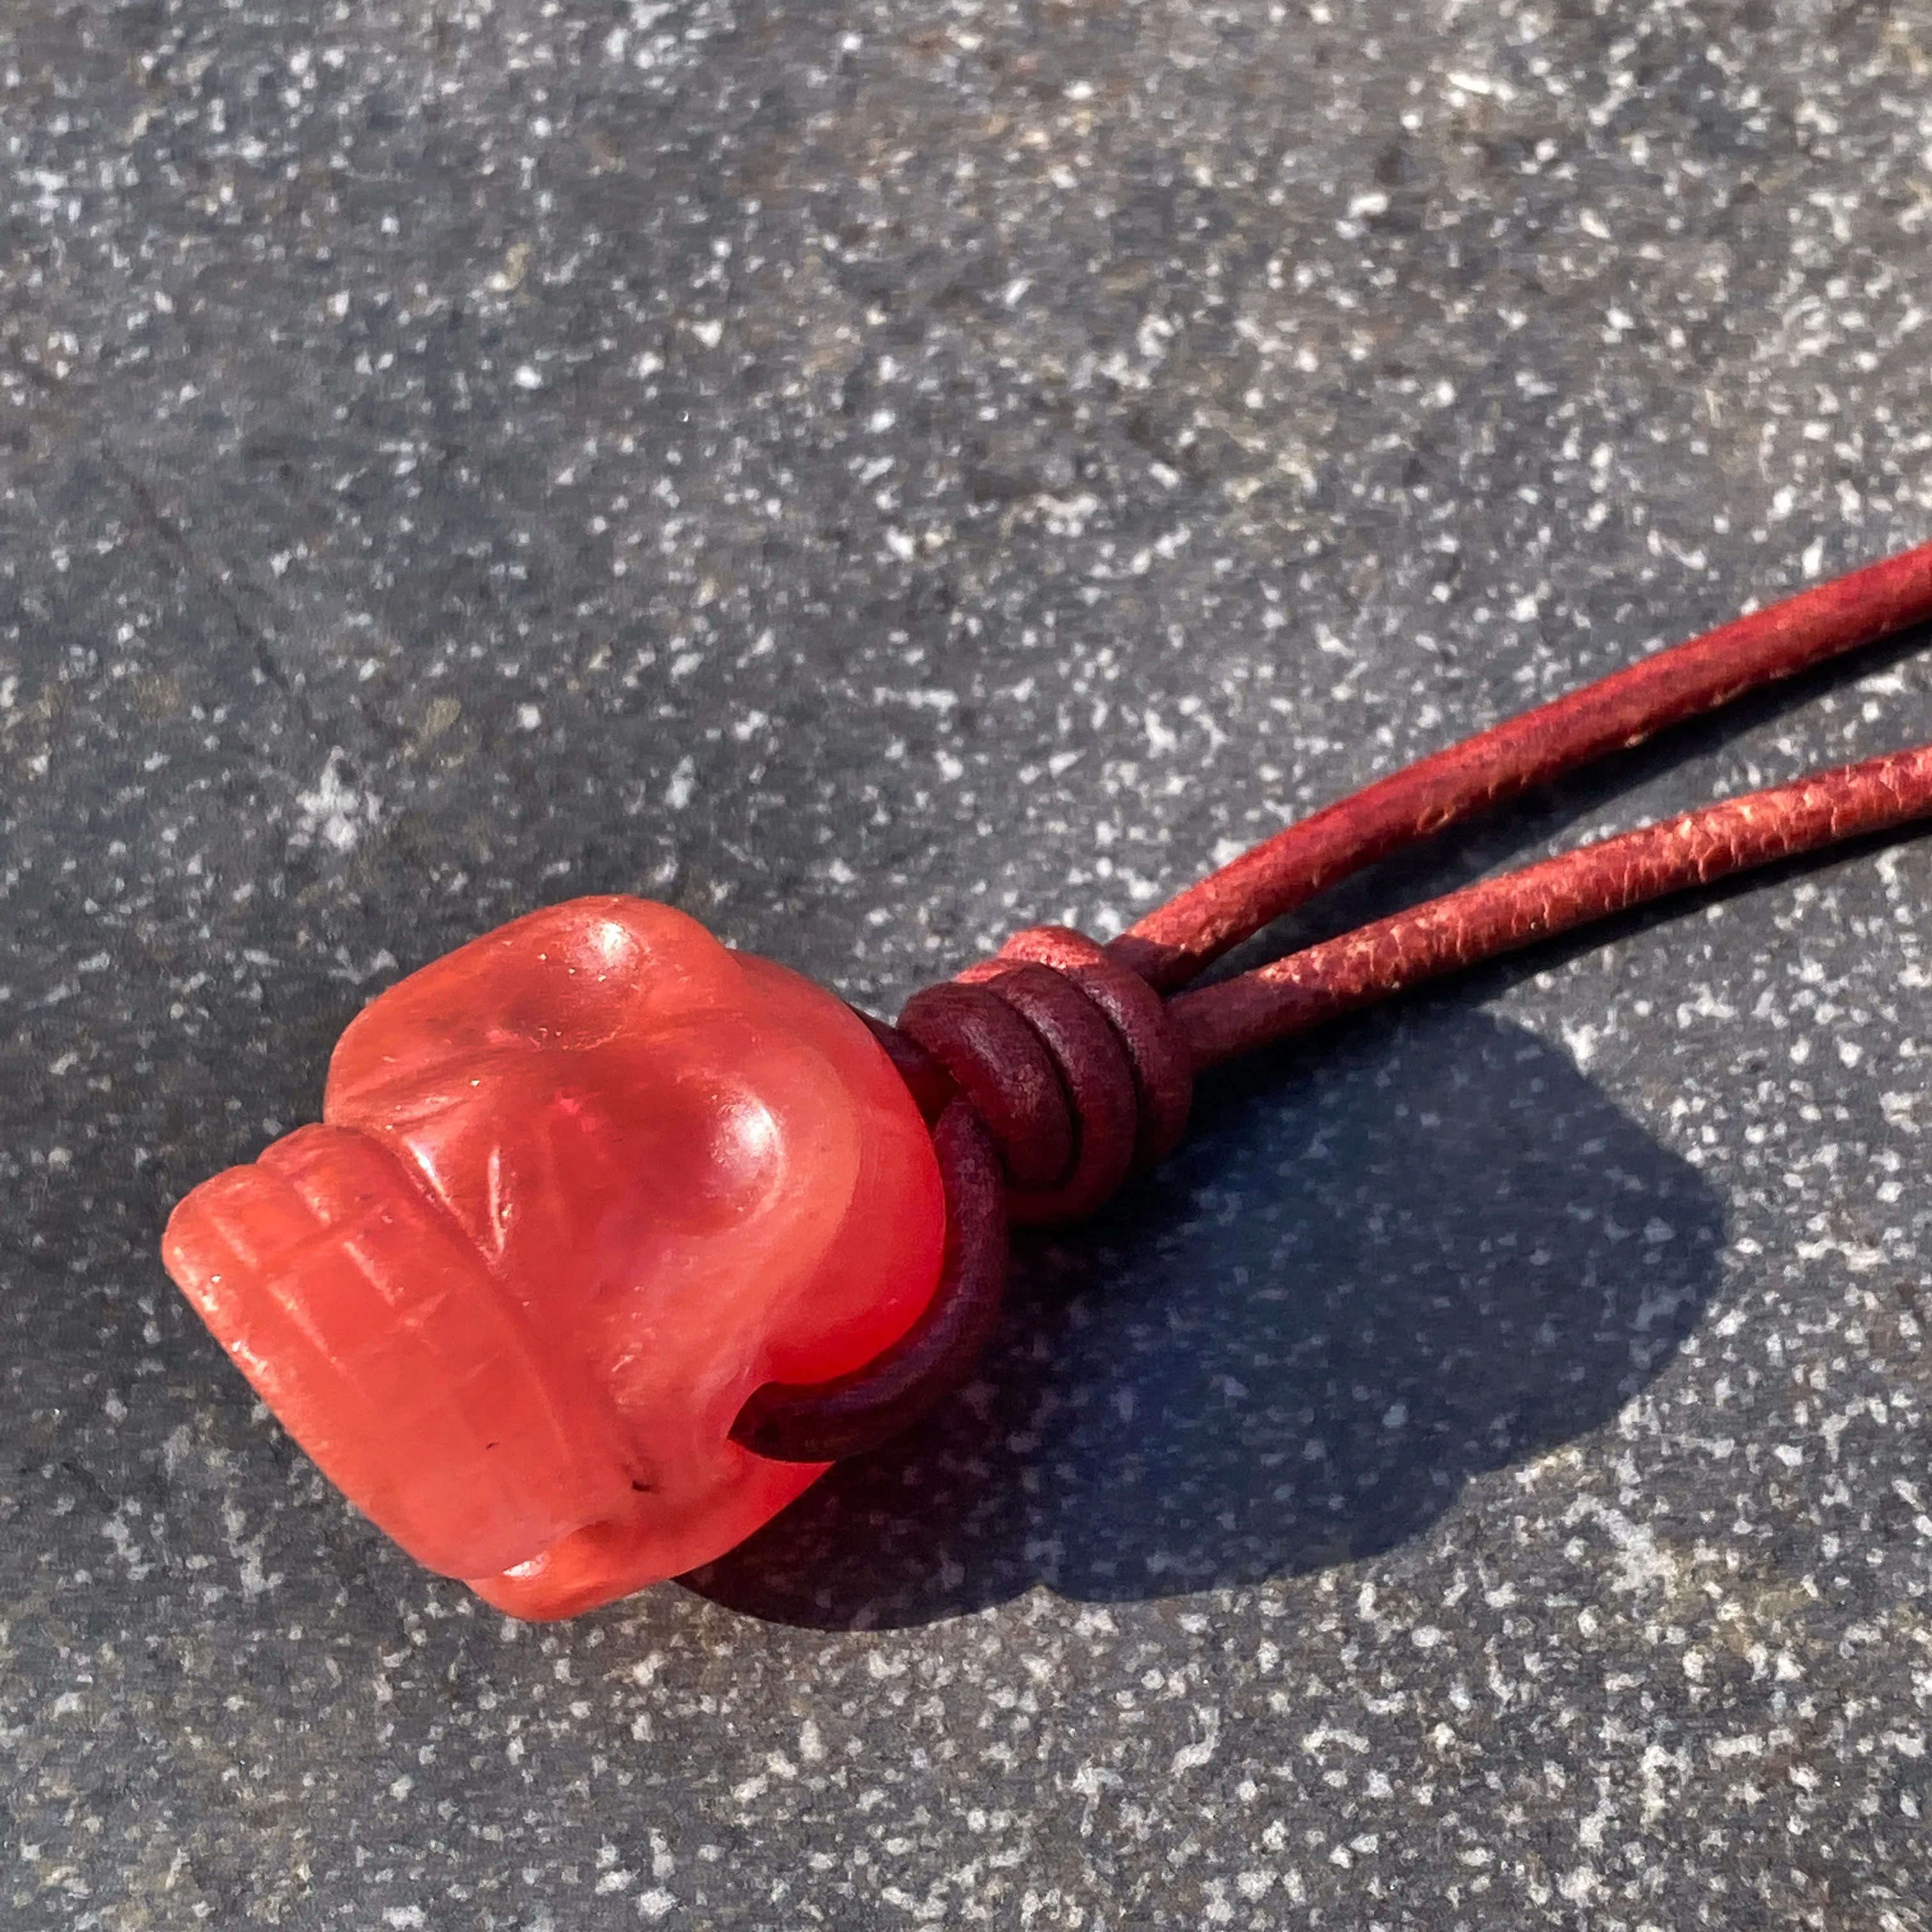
580	1187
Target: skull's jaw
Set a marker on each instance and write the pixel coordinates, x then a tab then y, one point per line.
371	1326
373	1329
384	1346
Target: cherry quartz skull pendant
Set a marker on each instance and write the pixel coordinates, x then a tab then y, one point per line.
580	1188
611	1239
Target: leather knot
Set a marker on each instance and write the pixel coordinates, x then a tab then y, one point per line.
1068	1059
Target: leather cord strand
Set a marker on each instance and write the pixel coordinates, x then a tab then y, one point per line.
1494	916
1052	1071
1173	943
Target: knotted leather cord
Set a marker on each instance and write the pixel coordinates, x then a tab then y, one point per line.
1050	1072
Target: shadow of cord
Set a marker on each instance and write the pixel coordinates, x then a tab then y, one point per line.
1428	1248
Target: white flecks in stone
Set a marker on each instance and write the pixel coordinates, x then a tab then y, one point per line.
335	812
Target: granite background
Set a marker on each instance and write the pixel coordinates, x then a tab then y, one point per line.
874	475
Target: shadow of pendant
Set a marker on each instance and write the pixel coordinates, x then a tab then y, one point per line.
1436	1249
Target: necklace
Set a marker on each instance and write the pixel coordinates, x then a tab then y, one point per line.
611	1240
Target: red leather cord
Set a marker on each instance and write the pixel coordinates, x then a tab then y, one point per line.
1171	945
1069	1058
1503	915
1163	1075
1053	1071
1008	1072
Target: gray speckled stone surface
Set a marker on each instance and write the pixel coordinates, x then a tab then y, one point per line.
874	475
